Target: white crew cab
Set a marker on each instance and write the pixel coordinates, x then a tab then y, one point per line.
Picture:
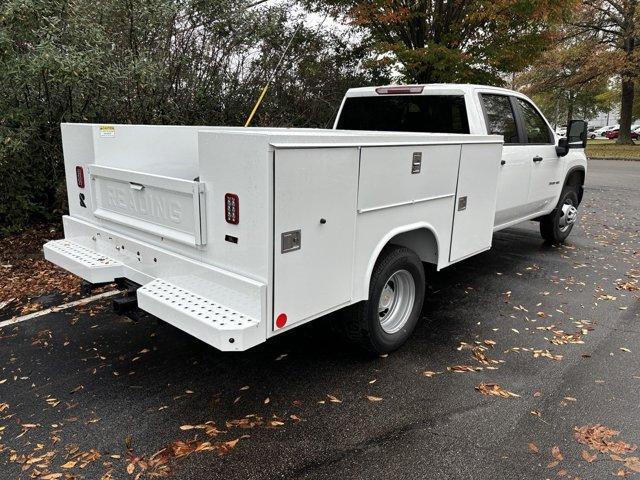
235	235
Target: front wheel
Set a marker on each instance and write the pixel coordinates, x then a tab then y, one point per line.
385	321
557	225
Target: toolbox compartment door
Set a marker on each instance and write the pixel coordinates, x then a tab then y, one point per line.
315	195
168	207
475	204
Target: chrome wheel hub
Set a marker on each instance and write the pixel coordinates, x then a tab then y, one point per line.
396	301
568	217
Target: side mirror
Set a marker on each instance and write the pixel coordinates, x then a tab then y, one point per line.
563	147
576	137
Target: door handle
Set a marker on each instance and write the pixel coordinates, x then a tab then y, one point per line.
502	162
537	158
136	186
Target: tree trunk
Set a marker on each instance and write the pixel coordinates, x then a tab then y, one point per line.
626	112
570	100
629	44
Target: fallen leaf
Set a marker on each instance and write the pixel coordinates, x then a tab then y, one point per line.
493	389
371	398
533	448
588	457
555	453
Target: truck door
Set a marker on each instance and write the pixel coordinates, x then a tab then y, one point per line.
315	195
515	170
546	167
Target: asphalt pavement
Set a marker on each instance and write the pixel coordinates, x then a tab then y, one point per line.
87	394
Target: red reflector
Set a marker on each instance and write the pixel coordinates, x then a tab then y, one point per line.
80	176
399	90
281	321
232	208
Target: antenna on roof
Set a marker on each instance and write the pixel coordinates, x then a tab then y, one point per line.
273	74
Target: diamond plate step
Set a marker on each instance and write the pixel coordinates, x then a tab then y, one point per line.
207	319
82	261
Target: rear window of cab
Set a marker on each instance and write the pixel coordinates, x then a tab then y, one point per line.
405	113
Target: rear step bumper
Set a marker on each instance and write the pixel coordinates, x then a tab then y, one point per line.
211	320
85	263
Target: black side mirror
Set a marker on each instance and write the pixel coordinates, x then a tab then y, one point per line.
563	147
577	134
576	137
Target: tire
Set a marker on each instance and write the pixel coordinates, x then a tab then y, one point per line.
557	225
397	285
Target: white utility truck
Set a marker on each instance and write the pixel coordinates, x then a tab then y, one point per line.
235	235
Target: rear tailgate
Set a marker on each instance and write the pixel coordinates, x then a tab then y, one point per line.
171	208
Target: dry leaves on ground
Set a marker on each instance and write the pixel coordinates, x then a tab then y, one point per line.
21	256
495	390
159	464
599	438
463	368
562	338
631	286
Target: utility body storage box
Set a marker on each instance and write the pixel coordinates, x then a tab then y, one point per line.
238	234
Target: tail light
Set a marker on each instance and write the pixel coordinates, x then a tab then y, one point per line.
232	208
281	320
80	176
399	90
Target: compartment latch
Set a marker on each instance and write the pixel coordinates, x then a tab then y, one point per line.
290	241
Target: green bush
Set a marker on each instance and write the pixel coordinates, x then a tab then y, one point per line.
151	62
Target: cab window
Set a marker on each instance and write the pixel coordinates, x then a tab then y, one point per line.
405	113
500	117
535	126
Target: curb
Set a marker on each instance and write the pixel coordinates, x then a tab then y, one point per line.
615	158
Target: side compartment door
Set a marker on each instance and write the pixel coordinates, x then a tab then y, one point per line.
315	194
515	169
546	167
475	205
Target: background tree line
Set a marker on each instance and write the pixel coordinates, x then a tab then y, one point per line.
202	62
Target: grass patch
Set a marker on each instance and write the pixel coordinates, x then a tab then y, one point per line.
609	149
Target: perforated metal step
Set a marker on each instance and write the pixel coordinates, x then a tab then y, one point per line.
207	319
82	261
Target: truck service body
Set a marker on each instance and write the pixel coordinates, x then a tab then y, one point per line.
238	234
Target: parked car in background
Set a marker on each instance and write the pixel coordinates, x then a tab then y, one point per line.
601	132
613	134
561	131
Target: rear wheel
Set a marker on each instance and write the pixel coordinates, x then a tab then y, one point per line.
396	292
556	226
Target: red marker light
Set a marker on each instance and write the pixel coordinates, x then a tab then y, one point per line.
80	176
401	90
232	208
281	321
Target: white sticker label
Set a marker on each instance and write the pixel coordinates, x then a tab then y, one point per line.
107	131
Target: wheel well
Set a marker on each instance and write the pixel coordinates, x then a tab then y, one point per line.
575	178
422	241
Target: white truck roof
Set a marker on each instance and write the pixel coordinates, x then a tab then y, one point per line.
429	88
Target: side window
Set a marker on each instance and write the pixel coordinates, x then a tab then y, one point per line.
536	127
500	117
